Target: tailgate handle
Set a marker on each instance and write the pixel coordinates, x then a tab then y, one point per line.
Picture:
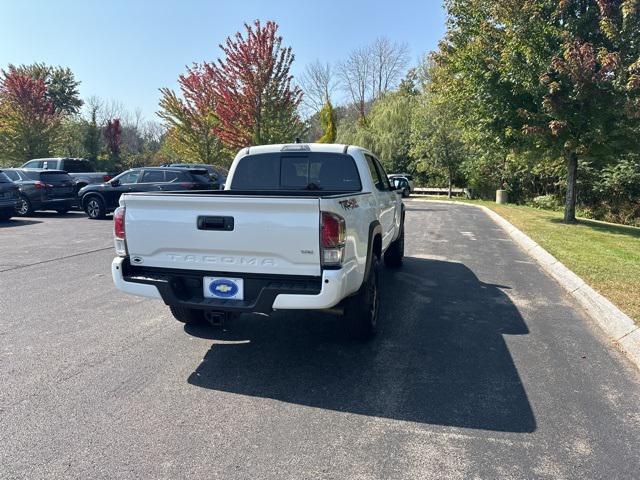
215	223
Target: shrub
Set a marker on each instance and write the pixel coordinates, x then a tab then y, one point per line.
546	202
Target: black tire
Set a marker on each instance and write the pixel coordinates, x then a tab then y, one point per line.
94	207
190	316
24	208
361	310
395	253
62	211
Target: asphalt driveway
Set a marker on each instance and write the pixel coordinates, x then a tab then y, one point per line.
483	368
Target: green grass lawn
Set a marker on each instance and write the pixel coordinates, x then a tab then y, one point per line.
605	255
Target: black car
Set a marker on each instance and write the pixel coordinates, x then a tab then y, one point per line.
100	199
9	197
401	184
217	174
43	190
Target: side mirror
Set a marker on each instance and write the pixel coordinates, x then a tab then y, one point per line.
114	182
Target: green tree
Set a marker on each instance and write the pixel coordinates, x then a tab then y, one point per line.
387	129
562	78
436	138
328	123
91	139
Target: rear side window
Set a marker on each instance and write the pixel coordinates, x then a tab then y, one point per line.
170	177
13	175
375	175
153	176
297	171
34	164
128	177
201	178
55	177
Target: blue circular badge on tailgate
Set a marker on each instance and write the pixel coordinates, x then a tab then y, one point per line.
223	288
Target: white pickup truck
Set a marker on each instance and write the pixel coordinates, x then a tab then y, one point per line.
297	227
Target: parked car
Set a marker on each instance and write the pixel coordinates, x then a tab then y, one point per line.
80	169
43	190
298	227
408	176
9	197
218	174
401	184
101	199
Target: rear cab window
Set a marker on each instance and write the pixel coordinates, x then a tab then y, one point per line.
77	166
321	171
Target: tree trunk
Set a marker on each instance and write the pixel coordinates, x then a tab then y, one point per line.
450	184
572	174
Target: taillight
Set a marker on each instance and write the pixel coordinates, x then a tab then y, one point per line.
119	231
40	185
106	178
332	239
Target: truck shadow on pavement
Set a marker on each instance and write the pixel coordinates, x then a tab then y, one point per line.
18	222
439	357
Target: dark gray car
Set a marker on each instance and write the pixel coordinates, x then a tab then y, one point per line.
9	197
43	190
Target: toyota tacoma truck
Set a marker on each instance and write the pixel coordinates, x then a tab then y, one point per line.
297	227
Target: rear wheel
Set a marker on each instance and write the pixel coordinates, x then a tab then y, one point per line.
395	253
190	316
361	310
24	207
94	207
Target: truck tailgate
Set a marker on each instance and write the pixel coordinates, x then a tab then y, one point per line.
267	235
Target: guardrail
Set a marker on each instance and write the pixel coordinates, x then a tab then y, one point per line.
441	191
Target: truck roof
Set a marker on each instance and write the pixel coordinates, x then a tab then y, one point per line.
292	147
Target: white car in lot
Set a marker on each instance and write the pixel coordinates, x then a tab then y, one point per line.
298	227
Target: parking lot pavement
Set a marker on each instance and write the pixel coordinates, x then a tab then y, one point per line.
50	236
482	368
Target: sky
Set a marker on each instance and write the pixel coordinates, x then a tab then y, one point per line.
126	50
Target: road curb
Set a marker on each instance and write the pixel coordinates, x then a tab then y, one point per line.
619	327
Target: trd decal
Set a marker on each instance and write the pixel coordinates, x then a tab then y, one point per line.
349	204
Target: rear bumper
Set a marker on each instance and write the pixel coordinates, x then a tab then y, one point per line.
264	293
8	205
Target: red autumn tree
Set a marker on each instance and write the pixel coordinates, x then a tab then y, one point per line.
255	100
27	116
112	135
